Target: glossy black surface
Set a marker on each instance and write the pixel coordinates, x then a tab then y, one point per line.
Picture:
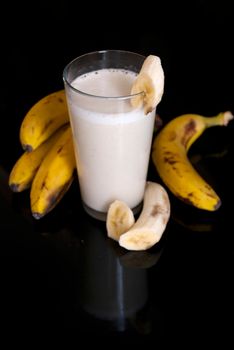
62	271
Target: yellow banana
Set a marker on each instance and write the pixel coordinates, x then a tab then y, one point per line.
54	176
169	155
43	119
25	168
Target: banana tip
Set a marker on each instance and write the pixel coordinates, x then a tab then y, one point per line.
227	117
218	205
14	187
37	215
27	148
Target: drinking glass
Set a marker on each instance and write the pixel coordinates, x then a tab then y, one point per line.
112	139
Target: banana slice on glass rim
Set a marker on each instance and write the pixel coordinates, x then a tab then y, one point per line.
150	80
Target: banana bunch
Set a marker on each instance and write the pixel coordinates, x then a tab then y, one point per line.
170	157
47	165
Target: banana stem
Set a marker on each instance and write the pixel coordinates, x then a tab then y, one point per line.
220	119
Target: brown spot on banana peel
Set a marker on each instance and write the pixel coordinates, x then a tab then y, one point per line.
185	199
55	196
170	160
210	194
172	136
46	126
53	199
60	149
170	157
189	131
43	185
189	200
60	100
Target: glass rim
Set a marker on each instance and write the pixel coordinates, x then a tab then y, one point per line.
115	98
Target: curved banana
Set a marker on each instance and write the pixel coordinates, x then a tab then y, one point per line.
43	119
119	219
54	176
152	222
25	168
169	155
150	80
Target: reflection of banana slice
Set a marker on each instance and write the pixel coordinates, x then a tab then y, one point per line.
150	80
141	259
119	219
152	221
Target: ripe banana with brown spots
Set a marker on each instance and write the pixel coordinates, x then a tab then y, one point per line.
54	176
43	119
169	154
26	166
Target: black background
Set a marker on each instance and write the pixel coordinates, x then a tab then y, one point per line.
190	289
193	39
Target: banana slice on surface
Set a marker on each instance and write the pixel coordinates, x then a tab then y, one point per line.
119	219
152	222
150	80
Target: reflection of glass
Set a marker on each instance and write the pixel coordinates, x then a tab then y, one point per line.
112	139
114	284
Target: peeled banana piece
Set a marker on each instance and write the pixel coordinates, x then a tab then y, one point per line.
150	80
25	168
152	222
54	176
119	219
169	154
43	119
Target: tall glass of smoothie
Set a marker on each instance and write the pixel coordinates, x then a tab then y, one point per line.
112	139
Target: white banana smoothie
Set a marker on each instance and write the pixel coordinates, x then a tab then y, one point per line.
112	140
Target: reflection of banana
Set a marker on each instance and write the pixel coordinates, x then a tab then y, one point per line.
150	80
149	227
169	155
196	158
141	259
119	219
54	176
25	168
46	116
194	226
